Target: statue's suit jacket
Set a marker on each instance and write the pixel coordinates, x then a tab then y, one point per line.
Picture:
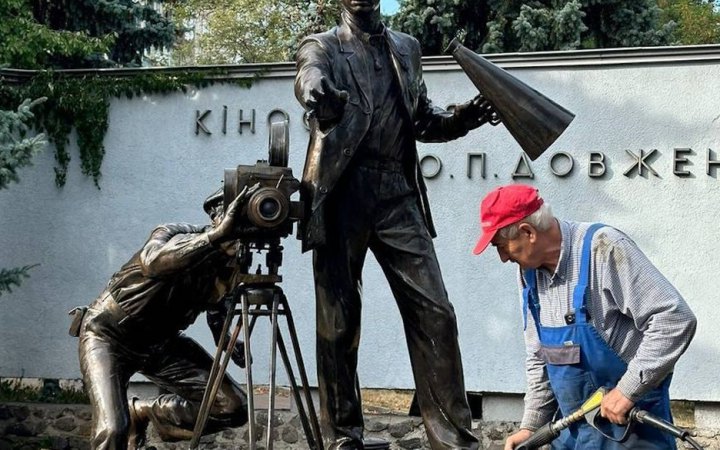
340	57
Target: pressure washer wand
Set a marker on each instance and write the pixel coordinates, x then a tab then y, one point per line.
543	435
642	416
547	433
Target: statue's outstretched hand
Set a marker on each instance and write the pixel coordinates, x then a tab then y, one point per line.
325	102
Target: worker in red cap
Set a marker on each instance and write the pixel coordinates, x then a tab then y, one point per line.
597	313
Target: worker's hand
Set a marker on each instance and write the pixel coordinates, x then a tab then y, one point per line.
476	112
615	407
325	102
516	439
225	224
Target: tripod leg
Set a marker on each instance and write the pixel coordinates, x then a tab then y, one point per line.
214	379
254	318
302	413
248	374
312	431
303	374
273	360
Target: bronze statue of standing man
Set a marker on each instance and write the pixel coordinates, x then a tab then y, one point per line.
362	87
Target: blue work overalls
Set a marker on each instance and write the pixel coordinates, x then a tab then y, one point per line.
579	361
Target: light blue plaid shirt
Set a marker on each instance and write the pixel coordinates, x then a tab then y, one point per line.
632	305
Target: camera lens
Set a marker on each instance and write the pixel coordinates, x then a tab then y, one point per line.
269	209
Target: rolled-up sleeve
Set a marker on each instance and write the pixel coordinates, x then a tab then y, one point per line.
174	247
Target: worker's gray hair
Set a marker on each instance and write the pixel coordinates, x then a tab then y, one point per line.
542	219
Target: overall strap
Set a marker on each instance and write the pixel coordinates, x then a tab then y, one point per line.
530	299
581	290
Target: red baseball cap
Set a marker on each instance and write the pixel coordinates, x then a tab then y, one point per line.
504	206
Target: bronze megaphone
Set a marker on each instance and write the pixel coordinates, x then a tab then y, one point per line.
532	119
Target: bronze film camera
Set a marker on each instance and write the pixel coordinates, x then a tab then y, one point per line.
266	217
269	212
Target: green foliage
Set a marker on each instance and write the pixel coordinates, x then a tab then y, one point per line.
316	16
625	23
436	22
16	150
28	44
247	31
132	27
235	31
13	391
10	277
68	396
515	25
546	28
320	15
82	103
44	34
698	21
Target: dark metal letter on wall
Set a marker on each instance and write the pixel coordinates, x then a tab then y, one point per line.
597	168
470	158
437	169
224	127
199	125
711	163
567	170
680	160
641	163
523	161
250	122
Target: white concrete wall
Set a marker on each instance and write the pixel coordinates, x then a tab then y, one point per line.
158	170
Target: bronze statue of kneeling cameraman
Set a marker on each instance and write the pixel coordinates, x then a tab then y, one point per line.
136	324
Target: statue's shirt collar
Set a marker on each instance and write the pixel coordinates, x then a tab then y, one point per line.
357	32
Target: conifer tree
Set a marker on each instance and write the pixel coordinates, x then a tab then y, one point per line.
517	25
81	33
16	151
436	22
26	43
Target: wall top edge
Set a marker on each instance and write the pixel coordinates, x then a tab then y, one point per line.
636	56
